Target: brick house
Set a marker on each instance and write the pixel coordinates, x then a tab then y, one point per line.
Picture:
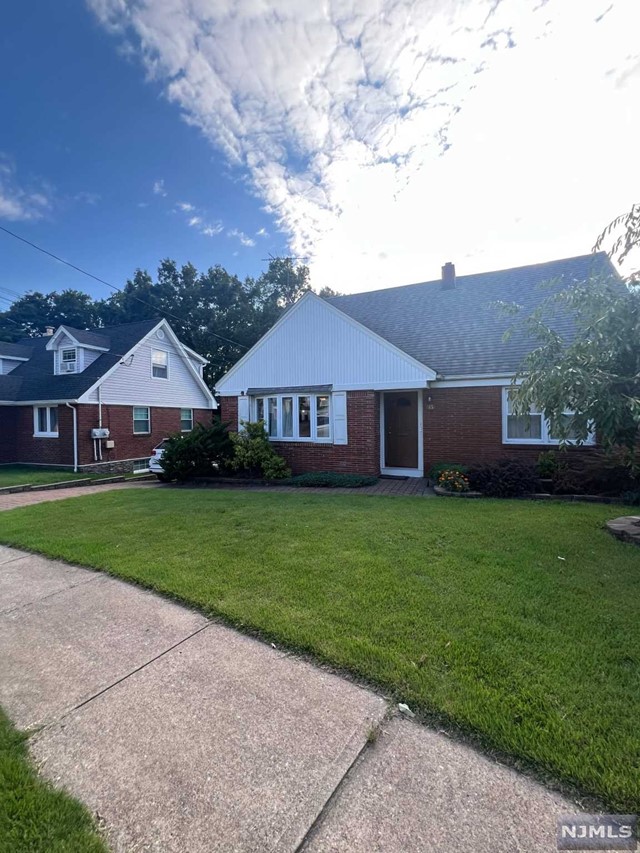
392	381
98	400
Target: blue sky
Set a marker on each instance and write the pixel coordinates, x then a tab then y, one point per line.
378	139
93	137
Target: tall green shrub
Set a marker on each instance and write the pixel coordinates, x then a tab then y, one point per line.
254	453
204	452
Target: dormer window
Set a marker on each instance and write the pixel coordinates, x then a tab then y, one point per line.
68	360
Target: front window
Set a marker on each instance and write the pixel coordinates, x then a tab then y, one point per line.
68	360
272	419
322	417
160	364
45	421
295	417
534	427
287	417
186	420
304	417
141	420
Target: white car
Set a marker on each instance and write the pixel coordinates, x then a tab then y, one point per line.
155	463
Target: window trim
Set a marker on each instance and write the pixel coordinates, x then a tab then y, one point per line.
134	419
545	428
313	416
181	419
49	433
73	361
166	352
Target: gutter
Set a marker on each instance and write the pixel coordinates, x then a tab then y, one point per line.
75	436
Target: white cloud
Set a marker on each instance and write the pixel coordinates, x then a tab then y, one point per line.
387	136
20	203
210	230
158	187
262	232
185	206
244	239
194	221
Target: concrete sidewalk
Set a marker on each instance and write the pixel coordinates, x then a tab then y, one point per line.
184	735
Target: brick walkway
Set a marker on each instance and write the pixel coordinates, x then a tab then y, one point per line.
12	501
410	487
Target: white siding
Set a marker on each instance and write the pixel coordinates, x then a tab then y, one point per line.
89	356
134	385
8	364
317	345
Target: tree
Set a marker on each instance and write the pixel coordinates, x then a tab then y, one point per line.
596	374
214	312
328	292
32	313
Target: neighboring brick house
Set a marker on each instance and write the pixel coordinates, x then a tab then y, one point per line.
393	381
98	400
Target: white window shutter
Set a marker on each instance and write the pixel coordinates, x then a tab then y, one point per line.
243	411
339	403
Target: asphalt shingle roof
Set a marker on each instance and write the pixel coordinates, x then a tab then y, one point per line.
16	350
91	339
34	380
459	332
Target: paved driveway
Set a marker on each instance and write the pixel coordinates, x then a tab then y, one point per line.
185	735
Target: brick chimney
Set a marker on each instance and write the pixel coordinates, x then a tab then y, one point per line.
448	276
49	330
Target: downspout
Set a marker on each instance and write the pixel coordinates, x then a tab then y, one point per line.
75	436
99	441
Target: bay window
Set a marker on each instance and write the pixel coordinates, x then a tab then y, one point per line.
532	427
295	417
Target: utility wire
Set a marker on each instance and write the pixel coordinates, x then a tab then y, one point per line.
112	286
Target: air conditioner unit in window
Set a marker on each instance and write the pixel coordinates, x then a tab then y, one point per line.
68	367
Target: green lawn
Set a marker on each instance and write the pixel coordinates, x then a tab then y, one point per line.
34	817
516	621
21	475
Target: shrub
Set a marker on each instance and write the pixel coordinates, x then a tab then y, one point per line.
254	453
507	478
205	451
631	498
332	479
595	472
453	481
439	467
548	464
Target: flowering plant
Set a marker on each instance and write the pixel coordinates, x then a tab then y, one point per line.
453	481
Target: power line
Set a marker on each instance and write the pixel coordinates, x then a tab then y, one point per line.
112	286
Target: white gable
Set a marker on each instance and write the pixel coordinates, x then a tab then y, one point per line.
316	344
131	381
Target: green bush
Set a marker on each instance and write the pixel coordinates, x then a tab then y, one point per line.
205	451
332	479
439	467
548	464
508	478
254	453
595	472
